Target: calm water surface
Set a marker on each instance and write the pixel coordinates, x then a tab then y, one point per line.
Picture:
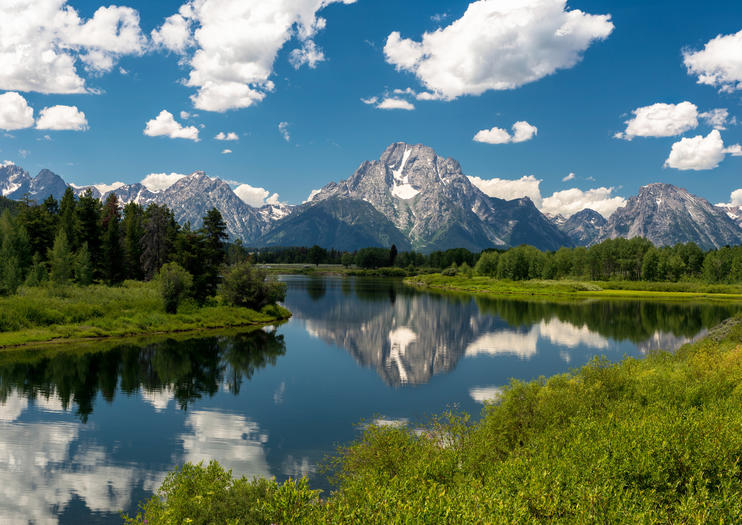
89	432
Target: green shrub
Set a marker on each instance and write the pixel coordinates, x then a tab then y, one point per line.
251	287
451	271
175	285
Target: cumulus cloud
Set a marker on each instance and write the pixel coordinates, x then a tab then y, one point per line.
526	186
395	103
283	128
227	136
43	41
255	197
569	177
522	131
661	120
231	67
15	113
165	125
226	151
370	100
718	118
175	34
719	63
566	202
700	153
161	181
498	45
62	118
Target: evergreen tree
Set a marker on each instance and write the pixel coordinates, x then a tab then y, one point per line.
61	260
83	266
112	253
37	275
40	225
214	231
89	218
160	231
132	230
192	253
68	218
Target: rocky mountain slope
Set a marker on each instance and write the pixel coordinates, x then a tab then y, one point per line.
415	199
430	200
584	227
336	222
667	215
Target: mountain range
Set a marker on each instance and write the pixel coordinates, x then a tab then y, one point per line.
414	199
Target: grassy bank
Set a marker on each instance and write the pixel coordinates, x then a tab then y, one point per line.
75	313
653	440
584	289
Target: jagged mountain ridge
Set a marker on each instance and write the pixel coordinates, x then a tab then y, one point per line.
430	200
667	215
415	199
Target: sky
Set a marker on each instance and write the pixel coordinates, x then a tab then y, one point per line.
573	104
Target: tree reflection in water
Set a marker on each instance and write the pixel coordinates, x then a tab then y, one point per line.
189	369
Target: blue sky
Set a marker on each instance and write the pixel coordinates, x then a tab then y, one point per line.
635	59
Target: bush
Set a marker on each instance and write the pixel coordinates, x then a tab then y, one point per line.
175	285
250	287
487	264
451	271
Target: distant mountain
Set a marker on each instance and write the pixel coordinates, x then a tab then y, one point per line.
584	227
666	215
336	222
430	200
734	212
16	183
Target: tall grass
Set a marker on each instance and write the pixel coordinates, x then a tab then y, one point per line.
654	440
41	314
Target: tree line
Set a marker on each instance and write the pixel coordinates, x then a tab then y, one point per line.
83	240
614	259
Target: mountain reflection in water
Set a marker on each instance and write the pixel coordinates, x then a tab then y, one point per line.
88	431
409	336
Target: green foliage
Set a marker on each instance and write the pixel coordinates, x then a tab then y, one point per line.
487	264
347	260
654	440
175	285
372	258
248	286
451	271
83	266
61	260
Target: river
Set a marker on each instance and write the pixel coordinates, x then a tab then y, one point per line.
90	431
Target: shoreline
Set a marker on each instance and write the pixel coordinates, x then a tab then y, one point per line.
489	287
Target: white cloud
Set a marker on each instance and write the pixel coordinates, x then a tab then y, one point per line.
489	394
569	177
526	186
565	202
661	120
231	66
184	115
395	103
62	118
719	63
497	45
255	197
700	153
718	118
283	128
227	136
105	188
735	199
370	100
522	131
226	151
161	181
309	54
175	34
165	125
568	202
15	113
43	41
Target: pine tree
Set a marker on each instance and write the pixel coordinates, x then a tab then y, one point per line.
61	260
83	266
112	267
132	230
68	218
88	211
160	230
214	231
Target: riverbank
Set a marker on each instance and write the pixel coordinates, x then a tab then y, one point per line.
487	286
650	440
61	315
